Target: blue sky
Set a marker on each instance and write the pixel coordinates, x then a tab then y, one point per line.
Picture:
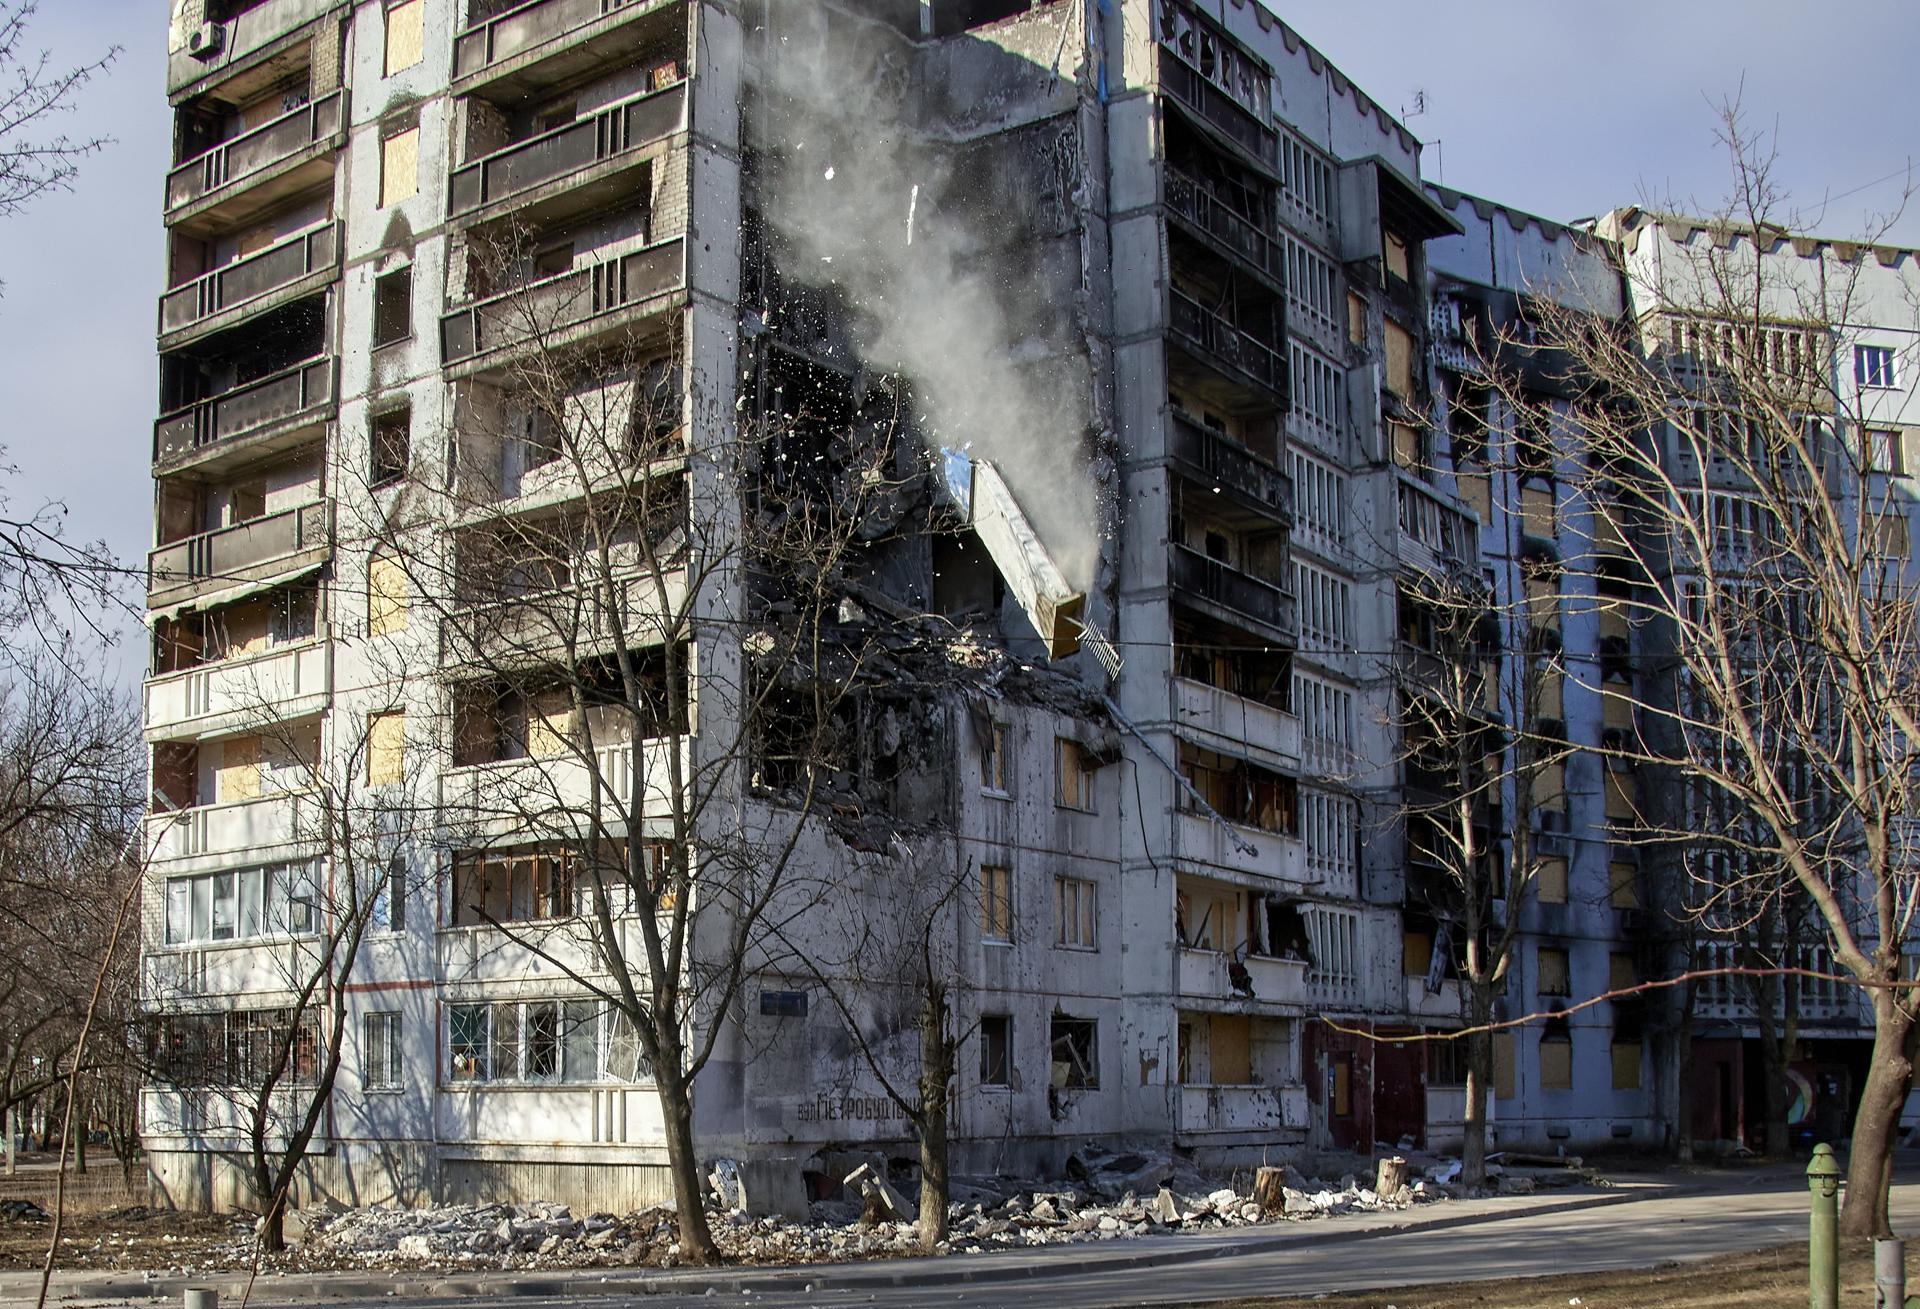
1562	109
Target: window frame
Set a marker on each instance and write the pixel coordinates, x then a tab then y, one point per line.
1076	913
997	922
1003	1044
382	427
387	303
1875	367
1082	800
993	761
386	1075
1063	1033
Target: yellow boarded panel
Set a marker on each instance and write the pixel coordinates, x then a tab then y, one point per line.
1556	1065
386	595
399	166
1626	1065
1552	881
1503	1065
386	754
406	34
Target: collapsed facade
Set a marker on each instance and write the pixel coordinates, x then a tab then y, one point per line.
1116	320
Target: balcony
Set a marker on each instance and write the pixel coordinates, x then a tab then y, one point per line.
1274	857
218	1118
1203	976
543	43
1223	462
1220	343
241	177
1240	594
253	828
1210	218
258	550
590	155
1221	720
563	309
251	31
1251	1109
554	796
268	414
576	621
280	685
287	270
1216	111
1442	1005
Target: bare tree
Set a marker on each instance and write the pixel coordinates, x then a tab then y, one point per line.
1727	444
654	658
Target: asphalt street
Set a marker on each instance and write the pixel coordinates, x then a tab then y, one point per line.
1303	1261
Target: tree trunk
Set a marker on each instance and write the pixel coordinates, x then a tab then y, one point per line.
1683	1083
696	1236
1875	1126
1473	1146
273	1225
936	1077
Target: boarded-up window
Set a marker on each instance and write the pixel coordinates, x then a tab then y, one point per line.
1416	953
1356	319
1553	971
1399	361
1406	447
1341	1096
1626	1065
1543	600
386	752
1075	776
1230	1049
399	165
551	724
1622	972
1396	252
996	902
1503	1065
1619	803
1550	786
1477	492
386	595
1556	1064
1551	887
1623	886
238	777
406	33
1553	694
1537	512
1616	710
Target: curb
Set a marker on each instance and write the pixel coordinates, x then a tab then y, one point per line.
949	1270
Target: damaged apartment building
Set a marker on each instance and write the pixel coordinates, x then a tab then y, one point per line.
1110	315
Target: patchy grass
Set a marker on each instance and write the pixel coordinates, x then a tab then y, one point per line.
1774	1278
121	1239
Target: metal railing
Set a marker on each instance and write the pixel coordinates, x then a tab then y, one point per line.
244	280
1231	464
602	135
228	551
1215	335
1208	212
526	27
1213	105
1232	589
565	301
302	391
235	160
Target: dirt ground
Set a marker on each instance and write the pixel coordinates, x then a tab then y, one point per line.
124	1238
1761	1279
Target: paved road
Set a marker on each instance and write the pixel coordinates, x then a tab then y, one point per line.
1305	1261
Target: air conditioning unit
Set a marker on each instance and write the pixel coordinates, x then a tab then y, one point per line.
207	41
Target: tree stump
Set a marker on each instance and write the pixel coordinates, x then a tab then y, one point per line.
1269	1190
1391	1179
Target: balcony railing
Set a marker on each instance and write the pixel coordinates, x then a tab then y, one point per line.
245	280
528	27
1242	1108
1202	711
251	153
1214	107
556	304
238	553
1228	587
297	395
556	793
1239	350
1230	464
1190	200
1204	976
1248	851
236	827
280	684
619	129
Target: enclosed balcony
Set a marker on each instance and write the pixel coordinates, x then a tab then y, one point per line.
1224	87
260	550
1222	343
265	386
1220	718
272	412
554	794
569	307
517	50
257	828
287	270
583	165
1224	591
241	177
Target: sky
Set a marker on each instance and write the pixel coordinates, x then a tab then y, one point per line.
1560	109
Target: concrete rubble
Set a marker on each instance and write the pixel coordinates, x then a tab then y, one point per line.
1106	1197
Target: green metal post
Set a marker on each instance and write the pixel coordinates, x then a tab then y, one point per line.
1823	1231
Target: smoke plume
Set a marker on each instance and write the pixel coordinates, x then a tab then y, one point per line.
940	292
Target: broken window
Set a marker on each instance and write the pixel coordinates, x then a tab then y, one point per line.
1446	1063
500	887
240	905
996	903
993	758
393	306
1075	916
1238	791
390	440
572	1041
996	1050
1074	776
1551	964
1075	1053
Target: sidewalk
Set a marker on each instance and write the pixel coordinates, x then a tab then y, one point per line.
986	1267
